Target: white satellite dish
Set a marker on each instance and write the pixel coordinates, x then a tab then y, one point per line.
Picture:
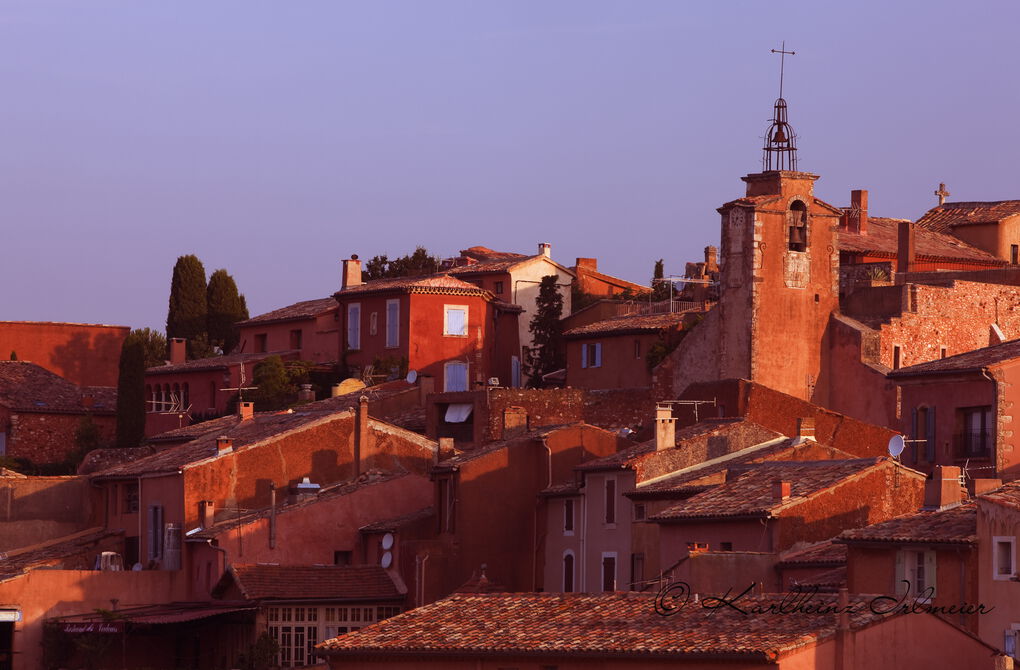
412	376
896	446
387	541
387	560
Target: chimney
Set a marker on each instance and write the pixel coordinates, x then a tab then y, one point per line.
306	394
515	422
426	385
858	219
178	350
445	449
806	427
545	249
351	273
306	489
943	487
206	513
665	428
587	263
780	490
905	251
245	410
711	259
979	486
88	401
224	444
360	434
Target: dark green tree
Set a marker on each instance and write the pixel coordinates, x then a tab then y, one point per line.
421	262
546	332
225	307
186	316
275	389
86	436
131	390
14	355
660	288
153	344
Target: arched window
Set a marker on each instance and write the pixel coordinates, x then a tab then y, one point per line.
798	225
568	572
185	397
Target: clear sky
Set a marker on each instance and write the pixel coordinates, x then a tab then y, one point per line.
274	139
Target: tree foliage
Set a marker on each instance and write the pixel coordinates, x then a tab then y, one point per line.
131	388
277	382
186	316
413	265
225	307
546	332
153	346
661	290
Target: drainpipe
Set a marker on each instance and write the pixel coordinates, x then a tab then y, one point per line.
995	435
548	483
140	536
272	515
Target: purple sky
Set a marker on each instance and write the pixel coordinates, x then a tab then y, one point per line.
274	139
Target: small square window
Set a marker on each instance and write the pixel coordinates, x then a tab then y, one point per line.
725	546
1004	566
498	288
455	321
639	512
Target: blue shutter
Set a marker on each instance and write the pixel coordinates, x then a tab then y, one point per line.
584	355
929	447
598	355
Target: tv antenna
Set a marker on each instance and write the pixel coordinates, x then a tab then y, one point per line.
241	388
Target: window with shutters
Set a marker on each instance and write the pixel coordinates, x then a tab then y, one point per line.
393	323
591	355
609	571
974	438
155	532
916	573
610	501
455	376
455	320
354	326
637	571
568	516
923	446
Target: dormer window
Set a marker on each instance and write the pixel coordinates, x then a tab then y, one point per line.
798	217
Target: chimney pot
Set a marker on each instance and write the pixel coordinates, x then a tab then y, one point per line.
178	350
515	422
545	249
858	222
665	428
245	410
942	489
445	449
224	444
588	264
780	490
806	427
306	393
906	252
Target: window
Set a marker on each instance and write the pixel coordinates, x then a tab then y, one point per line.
591	355
609	571
497	288
610	500
373	323
130	499
637	348
341	558
155	532
568	572
295	339
637	571
455	376
942	352
915	573
975	437
393	323
455	321
568	517
725	546
354	326
260	343
798	220
924	429
697	546
896	357
639	512
1004	558
1014	254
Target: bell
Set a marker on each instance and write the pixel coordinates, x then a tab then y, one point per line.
780	136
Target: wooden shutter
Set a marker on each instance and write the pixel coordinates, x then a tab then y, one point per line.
929	446
598	354
584	355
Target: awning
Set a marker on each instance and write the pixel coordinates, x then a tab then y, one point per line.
458	412
155	614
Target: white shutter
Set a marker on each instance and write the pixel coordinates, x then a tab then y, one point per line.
354	326
584	355
392	323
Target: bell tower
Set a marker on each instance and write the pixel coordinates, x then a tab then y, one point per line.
779	281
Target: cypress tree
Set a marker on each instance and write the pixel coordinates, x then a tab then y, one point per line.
131	391
225	308
546	332
660	289
186	316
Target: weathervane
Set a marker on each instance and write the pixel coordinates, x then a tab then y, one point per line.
780	150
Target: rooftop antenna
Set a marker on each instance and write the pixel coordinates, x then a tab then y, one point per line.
240	388
780	150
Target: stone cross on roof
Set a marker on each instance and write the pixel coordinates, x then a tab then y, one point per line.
942	193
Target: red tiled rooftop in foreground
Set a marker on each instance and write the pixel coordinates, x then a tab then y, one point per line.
627	324
1007	496
952	214
956	525
608	624
314	582
299	310
970	361
441	283
27	387
883	237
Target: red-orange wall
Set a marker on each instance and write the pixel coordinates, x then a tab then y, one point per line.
318	337
88	355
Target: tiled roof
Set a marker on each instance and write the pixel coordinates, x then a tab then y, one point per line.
103	459
750	493
627	324
72	552
883	237
299	310
561	490
438	283
454	462
583	625
970	361
610	279
1007	495
195	430
396	523
481	253
951	214
492	265
830	580
751	201
212	363
27	387
820	553
955	525
319	582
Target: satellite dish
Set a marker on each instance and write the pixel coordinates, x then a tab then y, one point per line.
387	541
412	376
896	446
387	560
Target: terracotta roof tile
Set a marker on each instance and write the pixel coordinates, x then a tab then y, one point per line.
750	493
970	361
320	582
454	462
439	283
607	624
955	525
627	324
27	387
883	237
1007	495
952	214
481	253
828	581
396	523
299	310
71	552
820	553
212	363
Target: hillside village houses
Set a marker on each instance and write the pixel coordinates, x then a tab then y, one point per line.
734	438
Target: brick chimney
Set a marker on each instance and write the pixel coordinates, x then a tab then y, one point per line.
206	513
858	219
588	264
178	350
711	259
224	444
245	410
515	422
665	428
906	252
445	449
780	490
360	434
942	489
351	273
306	393
545	249
806	427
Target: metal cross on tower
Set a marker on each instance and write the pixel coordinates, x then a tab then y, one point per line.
782	63
780	150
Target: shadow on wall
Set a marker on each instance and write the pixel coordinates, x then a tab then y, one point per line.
89	361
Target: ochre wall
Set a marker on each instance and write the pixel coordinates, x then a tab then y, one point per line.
88	355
